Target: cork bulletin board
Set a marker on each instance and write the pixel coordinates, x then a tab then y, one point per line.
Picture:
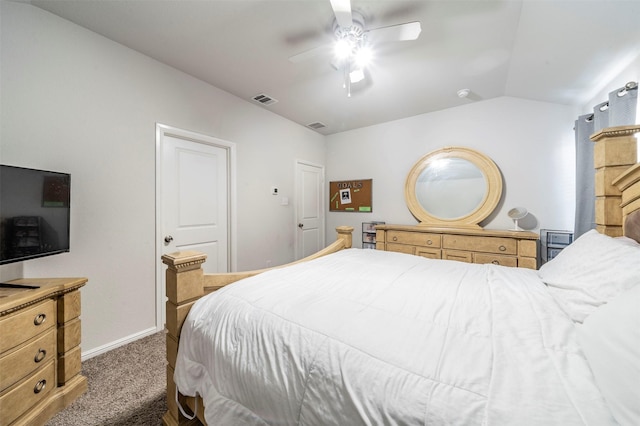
350	196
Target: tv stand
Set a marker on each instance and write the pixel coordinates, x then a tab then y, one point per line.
40	357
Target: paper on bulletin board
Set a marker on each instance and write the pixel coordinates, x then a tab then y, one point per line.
350	196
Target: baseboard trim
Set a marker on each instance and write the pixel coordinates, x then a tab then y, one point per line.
116	344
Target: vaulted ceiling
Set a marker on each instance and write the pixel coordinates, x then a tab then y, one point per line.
547	50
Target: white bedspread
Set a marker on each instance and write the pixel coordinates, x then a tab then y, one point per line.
380	338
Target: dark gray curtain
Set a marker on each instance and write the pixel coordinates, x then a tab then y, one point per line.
619	110
585	176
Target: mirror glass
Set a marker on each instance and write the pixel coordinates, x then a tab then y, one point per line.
453	186
447	176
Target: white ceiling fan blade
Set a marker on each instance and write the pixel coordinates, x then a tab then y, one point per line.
325	49
400	32
342	10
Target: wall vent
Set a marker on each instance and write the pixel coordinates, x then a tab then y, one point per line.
317	125
264	99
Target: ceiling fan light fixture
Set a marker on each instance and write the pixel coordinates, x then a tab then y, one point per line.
363	56
342	49
356	75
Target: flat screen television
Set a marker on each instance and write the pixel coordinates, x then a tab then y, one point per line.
34	213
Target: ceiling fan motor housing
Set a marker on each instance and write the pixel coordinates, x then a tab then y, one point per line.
354	33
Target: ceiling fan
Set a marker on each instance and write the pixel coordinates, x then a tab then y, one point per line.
353	44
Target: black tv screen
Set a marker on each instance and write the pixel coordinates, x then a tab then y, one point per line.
34	213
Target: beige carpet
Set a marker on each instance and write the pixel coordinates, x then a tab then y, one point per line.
126	387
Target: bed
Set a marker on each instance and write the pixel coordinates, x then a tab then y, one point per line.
373	337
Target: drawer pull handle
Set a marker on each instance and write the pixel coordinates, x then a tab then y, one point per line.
495	262
502	248
395	238
39	319
39	387
40	355
429	242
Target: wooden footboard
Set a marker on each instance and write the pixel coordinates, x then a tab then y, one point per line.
186	282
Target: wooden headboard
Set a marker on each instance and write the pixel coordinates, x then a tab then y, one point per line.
629	184
632	226
617	181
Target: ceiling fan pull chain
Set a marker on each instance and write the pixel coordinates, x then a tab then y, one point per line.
347	77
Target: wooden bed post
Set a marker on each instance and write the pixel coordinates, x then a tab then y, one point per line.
184	268
345	233
615	151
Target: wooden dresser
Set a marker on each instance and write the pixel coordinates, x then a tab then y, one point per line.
40	356
507	248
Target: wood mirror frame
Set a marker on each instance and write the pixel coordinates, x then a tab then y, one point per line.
472	218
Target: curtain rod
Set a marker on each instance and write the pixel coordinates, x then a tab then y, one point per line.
632	85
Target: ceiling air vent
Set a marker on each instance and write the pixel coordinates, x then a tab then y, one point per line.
264	99
317	125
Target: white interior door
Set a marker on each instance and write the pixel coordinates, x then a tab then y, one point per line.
194	199
309	208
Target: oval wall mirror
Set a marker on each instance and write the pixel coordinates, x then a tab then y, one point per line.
453	186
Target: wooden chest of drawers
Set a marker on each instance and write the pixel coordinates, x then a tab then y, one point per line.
39	349
507	248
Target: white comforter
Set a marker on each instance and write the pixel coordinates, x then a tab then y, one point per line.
380	338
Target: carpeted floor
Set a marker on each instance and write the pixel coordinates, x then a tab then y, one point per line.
126	387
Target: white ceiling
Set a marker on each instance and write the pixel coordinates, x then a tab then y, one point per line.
546	50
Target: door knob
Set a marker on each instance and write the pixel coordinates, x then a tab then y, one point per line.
168	239
300	225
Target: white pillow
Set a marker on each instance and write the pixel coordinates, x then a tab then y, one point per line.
610	339
591	271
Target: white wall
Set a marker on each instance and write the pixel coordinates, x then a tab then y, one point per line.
76	102
531	142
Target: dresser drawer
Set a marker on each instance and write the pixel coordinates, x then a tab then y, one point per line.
460	256
495	259
483	244
428	253
401	248
19	363
414	238
27	323
31	391
528	262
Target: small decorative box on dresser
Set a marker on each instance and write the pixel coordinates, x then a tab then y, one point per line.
507	248
40	356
